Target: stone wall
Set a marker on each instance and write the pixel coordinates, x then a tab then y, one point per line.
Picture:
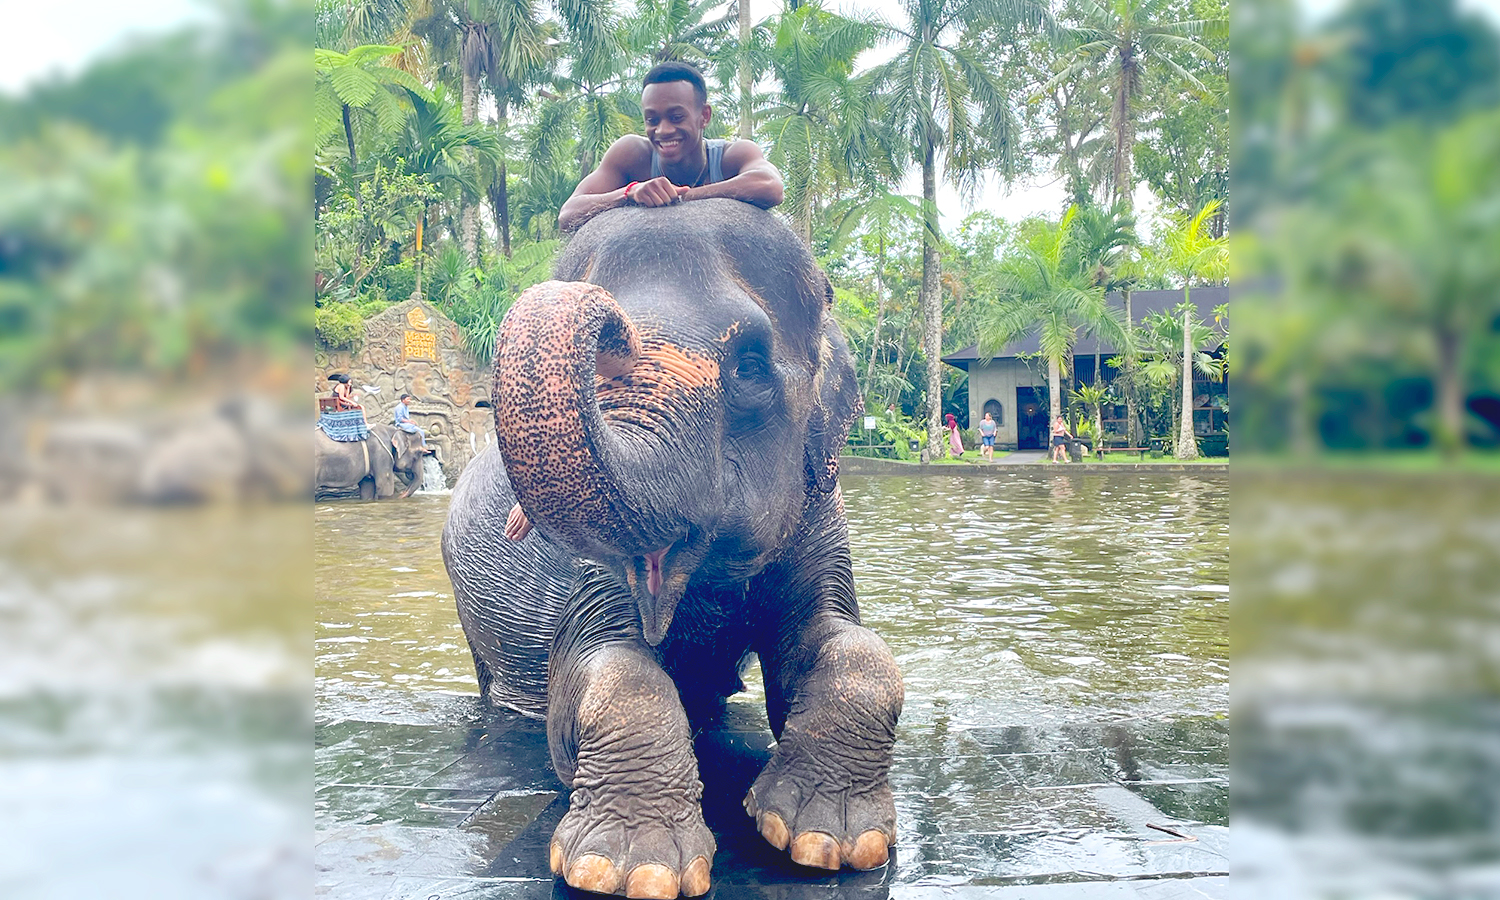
410	348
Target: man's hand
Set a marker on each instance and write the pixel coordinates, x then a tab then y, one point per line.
659	191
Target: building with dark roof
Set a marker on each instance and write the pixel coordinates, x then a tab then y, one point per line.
1012	387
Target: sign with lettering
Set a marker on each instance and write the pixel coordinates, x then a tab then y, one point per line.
420	345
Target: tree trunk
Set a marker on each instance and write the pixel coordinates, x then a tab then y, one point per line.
932	304
879	310
421	226
1132	414
469	208
349	137
1299	411
746	126
1450	393
1054	391
502	124
1187	443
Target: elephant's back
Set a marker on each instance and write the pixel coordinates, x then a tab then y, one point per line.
509	594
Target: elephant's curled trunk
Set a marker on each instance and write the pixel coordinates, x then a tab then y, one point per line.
561	456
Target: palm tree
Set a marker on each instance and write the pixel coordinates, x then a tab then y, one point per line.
1046	286
1189	252
747	103
1164	364
945	100
436	144
357	85
502	42
884	217
821	126
1126	34
683	30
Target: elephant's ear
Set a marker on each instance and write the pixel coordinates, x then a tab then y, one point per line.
836	403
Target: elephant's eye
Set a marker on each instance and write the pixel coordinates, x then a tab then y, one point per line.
753	388
753	367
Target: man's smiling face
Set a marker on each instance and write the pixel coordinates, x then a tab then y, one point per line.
675	120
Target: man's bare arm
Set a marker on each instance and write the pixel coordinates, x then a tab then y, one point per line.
749	176
603	188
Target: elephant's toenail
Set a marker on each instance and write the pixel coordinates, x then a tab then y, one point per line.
816	849
592	872
774	831
651	882
556	858
695	881
870	851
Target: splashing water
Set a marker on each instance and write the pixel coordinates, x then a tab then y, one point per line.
433	481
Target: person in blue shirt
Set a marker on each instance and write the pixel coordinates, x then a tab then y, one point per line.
987	429
404	422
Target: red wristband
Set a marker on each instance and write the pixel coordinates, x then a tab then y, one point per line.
627	191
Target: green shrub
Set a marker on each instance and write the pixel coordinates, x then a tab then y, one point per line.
398	281
339	326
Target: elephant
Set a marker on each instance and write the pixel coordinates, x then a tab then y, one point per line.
370	466
669	415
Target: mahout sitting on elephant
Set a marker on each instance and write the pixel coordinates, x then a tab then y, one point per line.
669	415
368	467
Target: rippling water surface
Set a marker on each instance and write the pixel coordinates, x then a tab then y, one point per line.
1016	598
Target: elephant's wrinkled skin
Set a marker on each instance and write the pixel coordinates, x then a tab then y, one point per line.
342	469
673	434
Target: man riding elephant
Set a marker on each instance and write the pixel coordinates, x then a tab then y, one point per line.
673	162
669	414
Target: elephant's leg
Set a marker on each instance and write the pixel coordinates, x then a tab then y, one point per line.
385	480
620	739
825	795
367	488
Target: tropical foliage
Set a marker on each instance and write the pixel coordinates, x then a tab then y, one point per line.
515	103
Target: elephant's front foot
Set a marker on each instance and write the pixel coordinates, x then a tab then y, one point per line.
821	817
825	796
638	849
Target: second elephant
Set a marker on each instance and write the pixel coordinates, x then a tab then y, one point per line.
368	468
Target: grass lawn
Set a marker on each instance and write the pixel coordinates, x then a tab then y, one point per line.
1485	462
1167	460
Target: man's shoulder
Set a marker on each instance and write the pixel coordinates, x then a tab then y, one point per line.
632	153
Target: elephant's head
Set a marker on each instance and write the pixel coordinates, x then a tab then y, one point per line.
407	454
669	406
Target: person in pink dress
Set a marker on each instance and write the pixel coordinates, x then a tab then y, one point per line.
955	444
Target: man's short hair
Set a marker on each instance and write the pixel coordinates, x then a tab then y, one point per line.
404	397
661	73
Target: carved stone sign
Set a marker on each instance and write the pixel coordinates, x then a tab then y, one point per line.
412	348
420	345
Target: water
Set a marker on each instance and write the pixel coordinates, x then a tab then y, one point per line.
153	708
1365	635
1062	637
433	480
1007	600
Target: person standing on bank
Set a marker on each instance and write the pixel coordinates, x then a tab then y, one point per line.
987	429
1060	438
673	162
955	443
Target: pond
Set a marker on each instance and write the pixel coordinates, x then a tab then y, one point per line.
1063	637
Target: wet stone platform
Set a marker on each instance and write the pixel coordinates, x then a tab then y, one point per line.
428	796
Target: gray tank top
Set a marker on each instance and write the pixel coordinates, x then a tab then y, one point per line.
715	162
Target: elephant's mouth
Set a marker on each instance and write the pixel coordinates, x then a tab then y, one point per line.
659	579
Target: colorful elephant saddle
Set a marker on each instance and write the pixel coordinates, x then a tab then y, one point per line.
347	425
